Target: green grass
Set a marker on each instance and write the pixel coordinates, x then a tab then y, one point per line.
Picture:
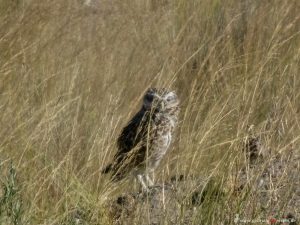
72	75
10	202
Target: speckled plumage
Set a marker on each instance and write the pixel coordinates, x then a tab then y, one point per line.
147	137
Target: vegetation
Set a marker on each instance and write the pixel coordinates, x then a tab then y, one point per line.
72	74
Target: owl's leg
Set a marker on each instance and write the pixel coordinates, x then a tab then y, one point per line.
150	182
141	180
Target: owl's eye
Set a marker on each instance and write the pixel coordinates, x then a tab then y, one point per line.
170	98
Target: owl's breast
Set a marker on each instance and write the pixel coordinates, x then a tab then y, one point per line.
166	139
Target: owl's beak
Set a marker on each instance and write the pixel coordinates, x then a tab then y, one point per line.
162	105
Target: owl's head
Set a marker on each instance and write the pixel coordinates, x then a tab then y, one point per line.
160	99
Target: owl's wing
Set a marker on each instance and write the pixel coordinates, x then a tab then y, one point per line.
131	144
132	134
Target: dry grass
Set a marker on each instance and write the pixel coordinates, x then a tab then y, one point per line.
71	75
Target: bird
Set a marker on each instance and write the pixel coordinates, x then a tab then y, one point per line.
145	140
253	147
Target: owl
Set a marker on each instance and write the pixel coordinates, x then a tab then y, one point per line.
145	140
